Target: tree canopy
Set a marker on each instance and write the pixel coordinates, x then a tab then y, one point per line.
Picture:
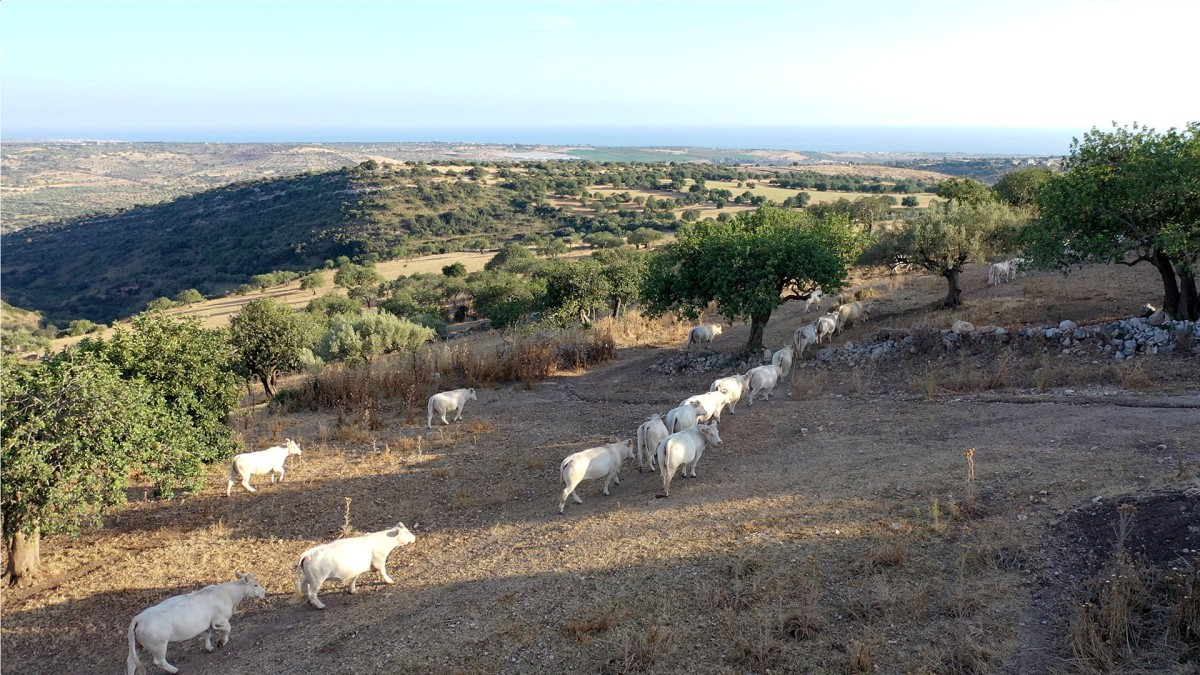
750	264
1128	195
948	235
270	338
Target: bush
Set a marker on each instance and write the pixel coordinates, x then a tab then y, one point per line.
371	334
82	327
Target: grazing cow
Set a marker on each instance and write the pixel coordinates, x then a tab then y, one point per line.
803	337
734	387
346	560
649	434
448	402
711	405
783	359
998	273
599	462
826	326
183	617
763	379
683	417
1015	265
684	449
703	335
270	461
813	297
849	312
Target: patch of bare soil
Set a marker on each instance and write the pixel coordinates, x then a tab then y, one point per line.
836	529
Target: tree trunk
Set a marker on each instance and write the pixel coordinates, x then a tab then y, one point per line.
1166	270
266	383
954	289
24	558
1189	303
758	324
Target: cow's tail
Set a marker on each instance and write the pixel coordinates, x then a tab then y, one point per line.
133	664
562	471
663	467
641	445
298	596
234	474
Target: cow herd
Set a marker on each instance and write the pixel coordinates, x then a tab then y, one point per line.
671	443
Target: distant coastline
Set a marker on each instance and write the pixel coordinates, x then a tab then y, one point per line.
866	139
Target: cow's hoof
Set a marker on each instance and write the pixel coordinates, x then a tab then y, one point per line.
661	496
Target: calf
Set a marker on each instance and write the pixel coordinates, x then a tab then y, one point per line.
649	434
599	462
763	379
684	449
448	402
183	617
703	335
269	461
734	387
346	560
848	313
826	326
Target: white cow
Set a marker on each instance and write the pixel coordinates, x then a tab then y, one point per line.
649	434
683	417
448	402
183	617
813	297
346	560
599	462
763	380
734	386
270	461
803	337
1016	265
783	359
826	326
703	335
851	311
684	449
710	403
999	272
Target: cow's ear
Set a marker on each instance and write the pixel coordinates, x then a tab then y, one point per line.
240	575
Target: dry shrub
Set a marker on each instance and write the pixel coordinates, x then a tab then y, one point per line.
964	654
1132	375
860	381
805	623
859	655
759	648
584	629
414	376
1108	626
636	650
634	329
891	553
1184	593
968	377
808	384
864	294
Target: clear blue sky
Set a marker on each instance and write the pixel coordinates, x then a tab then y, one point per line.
143	69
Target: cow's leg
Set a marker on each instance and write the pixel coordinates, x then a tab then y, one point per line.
353	584
229	488
444	420
246	483
458	417
223	628
313	588
382	567
208	645
159	651
608	481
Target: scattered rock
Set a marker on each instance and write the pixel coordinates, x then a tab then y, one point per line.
960	327
1158	318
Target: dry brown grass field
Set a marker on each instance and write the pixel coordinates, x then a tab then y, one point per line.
834	531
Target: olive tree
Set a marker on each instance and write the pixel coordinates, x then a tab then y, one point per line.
948	235
750	265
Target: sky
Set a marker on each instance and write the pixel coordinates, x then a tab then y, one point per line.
312	70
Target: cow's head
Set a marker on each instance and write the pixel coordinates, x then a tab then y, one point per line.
402	535
471	395
253	588
292	446
711	437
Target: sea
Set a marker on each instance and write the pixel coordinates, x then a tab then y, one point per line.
851	139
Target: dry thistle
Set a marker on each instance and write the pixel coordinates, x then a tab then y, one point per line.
1124	519
347	530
